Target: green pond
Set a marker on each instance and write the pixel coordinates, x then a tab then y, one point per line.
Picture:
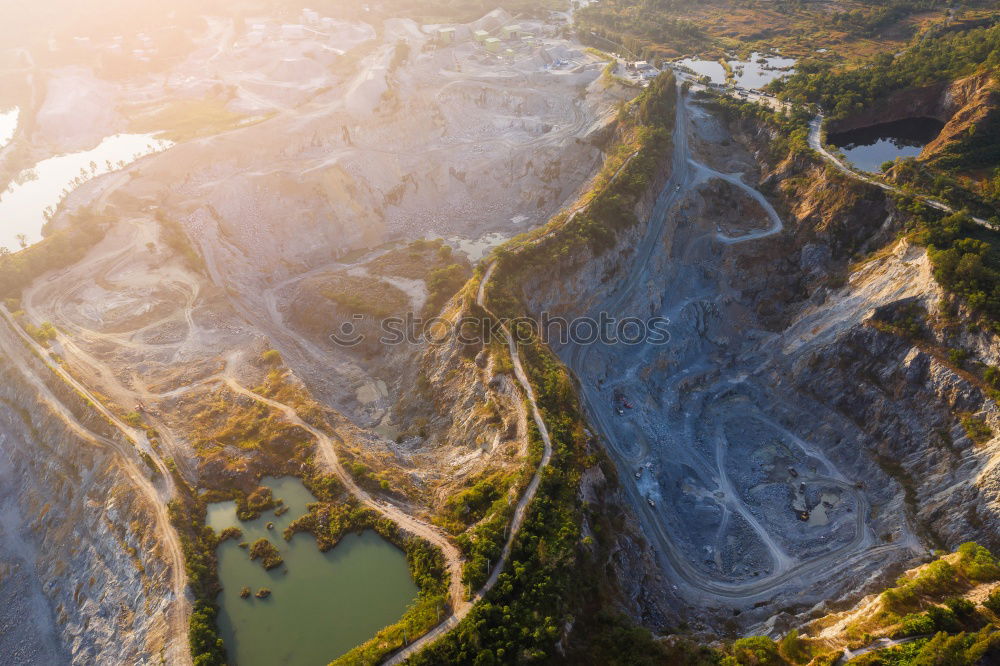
321	604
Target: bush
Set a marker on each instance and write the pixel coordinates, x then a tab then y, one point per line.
945	650
992	602
976	428
271	357
916	624
957	356
230	533
795	648
992	376
206	646
962	608
254	504
936	579
944	619
754	651
266	552
42	334
977	563
442	283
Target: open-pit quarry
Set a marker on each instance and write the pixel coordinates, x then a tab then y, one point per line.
731	473
285	156
763	487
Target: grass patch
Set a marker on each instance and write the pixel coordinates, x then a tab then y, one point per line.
362	294
185	119
976	428
58	250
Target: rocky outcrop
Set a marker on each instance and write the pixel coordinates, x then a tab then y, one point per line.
963	103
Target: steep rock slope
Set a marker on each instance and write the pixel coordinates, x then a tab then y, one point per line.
88	558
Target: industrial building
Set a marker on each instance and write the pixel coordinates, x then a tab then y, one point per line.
446	35
511	31
492	44
480	36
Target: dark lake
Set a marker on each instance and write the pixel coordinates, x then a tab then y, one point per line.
868	147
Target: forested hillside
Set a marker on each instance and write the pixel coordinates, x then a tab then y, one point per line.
841	92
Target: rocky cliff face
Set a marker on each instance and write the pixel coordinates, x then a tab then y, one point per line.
965	103
903	396
81	570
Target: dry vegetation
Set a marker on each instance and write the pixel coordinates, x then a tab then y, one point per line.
414	261
844	30
359	294
184	119
238	439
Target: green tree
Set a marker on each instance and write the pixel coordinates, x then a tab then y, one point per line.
794	648
754	651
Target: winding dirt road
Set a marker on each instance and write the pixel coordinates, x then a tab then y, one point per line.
328	452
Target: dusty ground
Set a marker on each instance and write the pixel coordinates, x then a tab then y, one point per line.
336	143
